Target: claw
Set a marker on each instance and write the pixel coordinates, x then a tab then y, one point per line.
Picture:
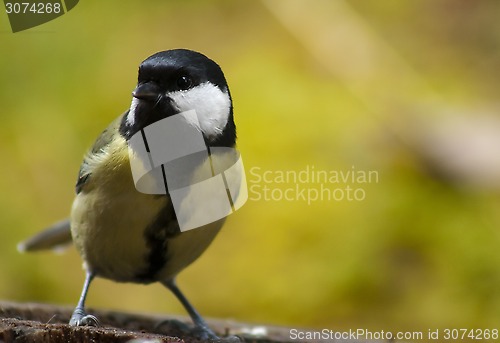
232	339
176	327
89	320
80	318
204	334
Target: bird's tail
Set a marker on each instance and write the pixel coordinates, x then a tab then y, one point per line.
53	238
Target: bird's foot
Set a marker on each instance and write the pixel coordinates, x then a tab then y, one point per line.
205	334
80	318
202	333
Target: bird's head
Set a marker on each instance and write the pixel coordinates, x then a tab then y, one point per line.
175	81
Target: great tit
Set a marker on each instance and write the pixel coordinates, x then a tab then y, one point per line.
125	235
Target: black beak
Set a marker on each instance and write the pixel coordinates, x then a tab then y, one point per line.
148	91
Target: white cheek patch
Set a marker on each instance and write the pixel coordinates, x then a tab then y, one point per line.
131	112
211	104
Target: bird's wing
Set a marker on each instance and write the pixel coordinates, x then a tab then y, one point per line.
54	237
101	142
59	235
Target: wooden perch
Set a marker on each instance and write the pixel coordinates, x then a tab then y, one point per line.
34	323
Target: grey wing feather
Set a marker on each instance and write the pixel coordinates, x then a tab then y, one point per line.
56	236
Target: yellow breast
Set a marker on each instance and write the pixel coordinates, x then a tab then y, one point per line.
109	216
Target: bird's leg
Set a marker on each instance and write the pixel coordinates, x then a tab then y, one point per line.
79	317
201	328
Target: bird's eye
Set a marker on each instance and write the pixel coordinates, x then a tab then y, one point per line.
184	82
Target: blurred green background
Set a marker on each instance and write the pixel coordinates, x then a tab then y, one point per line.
406	88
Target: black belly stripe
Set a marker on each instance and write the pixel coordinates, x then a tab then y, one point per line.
157	235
